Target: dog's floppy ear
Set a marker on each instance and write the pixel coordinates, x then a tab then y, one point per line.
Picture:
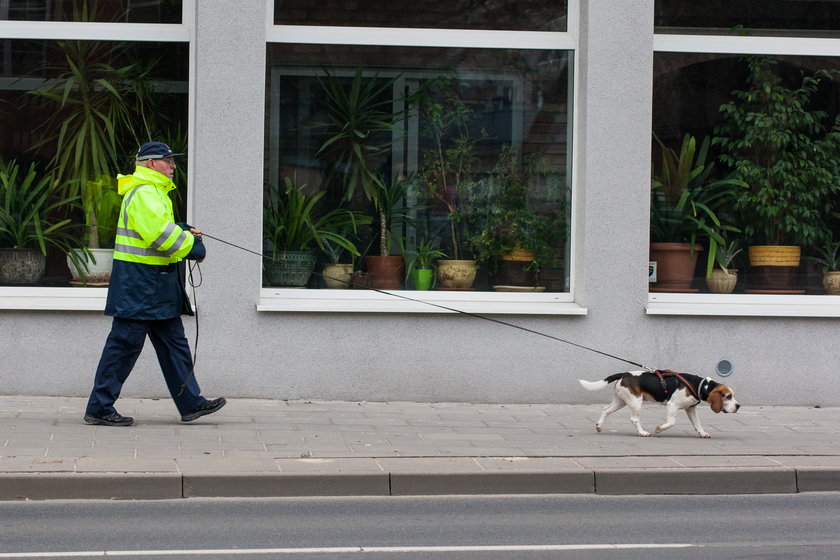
715	401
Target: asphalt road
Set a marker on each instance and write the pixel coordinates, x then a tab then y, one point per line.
498	527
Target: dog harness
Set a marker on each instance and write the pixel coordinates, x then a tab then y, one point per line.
669	381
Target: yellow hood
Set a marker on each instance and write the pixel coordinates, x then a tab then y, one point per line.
143	176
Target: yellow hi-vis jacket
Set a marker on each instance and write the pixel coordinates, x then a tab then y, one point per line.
146	232
147	283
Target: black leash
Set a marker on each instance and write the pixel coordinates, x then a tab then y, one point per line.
452	309
193	285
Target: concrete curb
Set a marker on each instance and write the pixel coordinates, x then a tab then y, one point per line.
168	485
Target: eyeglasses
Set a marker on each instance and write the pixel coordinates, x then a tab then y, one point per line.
168	160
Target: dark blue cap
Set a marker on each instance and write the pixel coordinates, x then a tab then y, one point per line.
154	150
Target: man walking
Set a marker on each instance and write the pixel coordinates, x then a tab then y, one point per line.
146	294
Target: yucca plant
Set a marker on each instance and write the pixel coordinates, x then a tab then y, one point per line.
28	204
357	137
99	102
95	107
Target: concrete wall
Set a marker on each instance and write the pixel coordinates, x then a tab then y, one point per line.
428	357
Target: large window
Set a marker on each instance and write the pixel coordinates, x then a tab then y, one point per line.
424	155
745	142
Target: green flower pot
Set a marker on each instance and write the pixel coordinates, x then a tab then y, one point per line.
423	278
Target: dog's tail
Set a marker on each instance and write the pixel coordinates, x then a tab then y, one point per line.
593	385
598	385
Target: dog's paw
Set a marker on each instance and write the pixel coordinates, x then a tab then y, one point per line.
659	430
598	428
704	435
644	434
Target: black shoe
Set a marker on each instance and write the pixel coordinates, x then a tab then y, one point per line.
111	419
208	407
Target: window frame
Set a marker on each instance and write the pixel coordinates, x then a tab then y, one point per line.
746	305
93	299
413	301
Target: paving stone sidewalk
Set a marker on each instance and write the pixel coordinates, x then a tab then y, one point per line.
305	448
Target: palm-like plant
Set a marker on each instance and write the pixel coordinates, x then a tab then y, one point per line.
686	201
422	255
98	107
291	222
27	206
358	135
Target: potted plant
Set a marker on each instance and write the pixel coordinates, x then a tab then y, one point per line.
446	174
504	227
394	216
101	205
292	226
723	279
28	206
337	275
358	135
828	256
686	204
785	154
421	263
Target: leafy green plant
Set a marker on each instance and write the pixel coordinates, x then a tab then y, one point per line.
422	255
503	218
687	202
726	254
785	154
28	204
292	222
828	255
447	169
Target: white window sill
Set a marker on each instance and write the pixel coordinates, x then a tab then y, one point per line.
410	301
53	299
743	305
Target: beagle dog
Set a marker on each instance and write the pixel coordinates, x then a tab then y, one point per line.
676	391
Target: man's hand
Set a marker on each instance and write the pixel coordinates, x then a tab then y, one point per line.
196	232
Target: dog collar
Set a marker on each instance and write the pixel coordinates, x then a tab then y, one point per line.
703	389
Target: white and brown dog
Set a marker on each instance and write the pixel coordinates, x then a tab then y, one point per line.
676	391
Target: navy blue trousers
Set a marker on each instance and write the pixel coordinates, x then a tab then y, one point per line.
123	347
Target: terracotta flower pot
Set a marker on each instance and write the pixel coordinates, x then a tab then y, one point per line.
388	272
675	265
